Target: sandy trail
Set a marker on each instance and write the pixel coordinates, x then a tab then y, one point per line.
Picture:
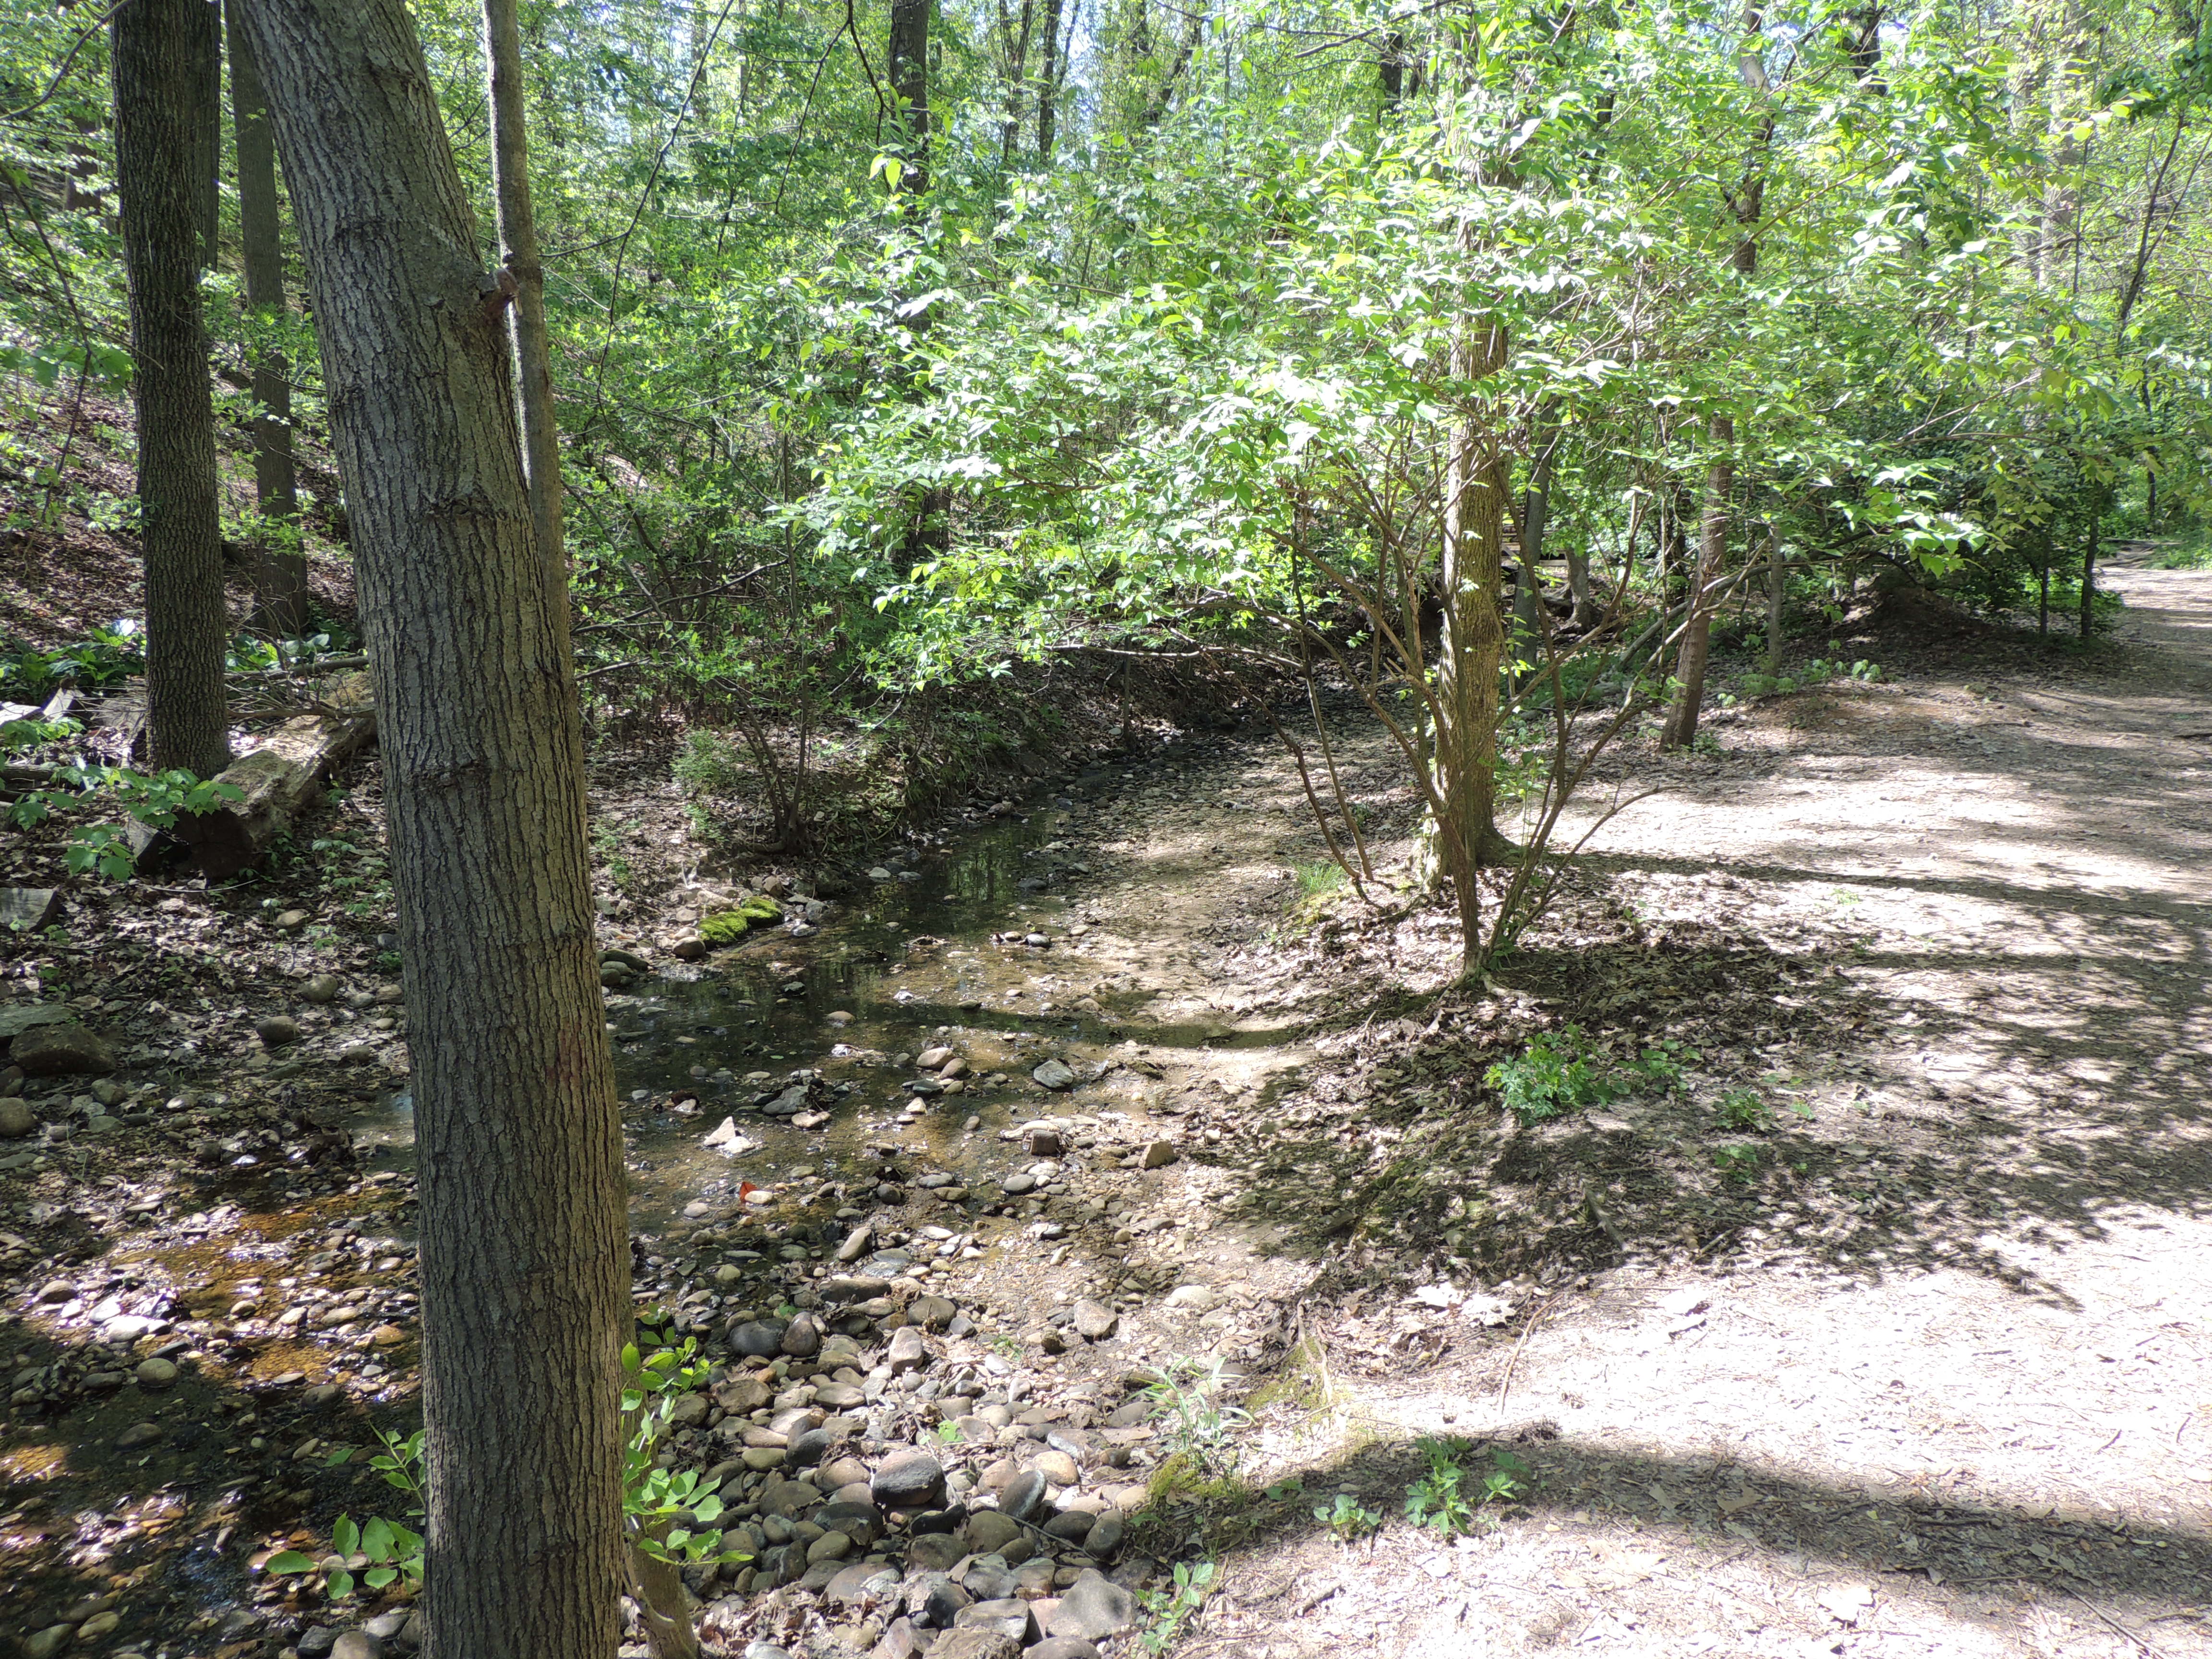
1990	1433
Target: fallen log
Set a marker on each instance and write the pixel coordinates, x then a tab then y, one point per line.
275	782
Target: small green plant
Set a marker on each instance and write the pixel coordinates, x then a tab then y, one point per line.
1738	1163
1197	1424
1554	1076
1169	1609
1316	880
667	1517
1450	1498
1662	1065
947	1434
156	800
1744	1111
1348	1518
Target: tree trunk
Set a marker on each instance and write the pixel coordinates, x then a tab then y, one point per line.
161	65
277	782
1777	593
1681	728
1049	83
523	1247
280	575
2088	573
517	239
1474	651
207	132
909	75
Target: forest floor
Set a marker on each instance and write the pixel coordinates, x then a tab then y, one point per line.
1912	1355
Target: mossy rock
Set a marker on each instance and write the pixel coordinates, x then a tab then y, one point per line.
728	926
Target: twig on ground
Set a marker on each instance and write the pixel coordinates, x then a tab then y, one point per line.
2114	1623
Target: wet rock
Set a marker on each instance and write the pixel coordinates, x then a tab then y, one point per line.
16	1120
1095	1322
277	1030
759	1339
1158	1154
1093	1608
61	1051
49	1642
908	1480
691	950
1054	1075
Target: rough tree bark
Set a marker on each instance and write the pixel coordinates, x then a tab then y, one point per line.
909	76
524	1257
518	241
280	576
163	86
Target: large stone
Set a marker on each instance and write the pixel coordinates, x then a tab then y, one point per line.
27	910
899	1641
908	1480
56	1050
1022	1495
975	1644
932	1313
907	1351
1058	1468
16	1120
830	1546
934	1601
760	1338
1104	1537
277	1030
1054	1075
1094	1320
802	1338
933	1552
353	1644
1157	1154
862	1581
989	1533
1093	1608
1010	1616
16	1018
1062	1647
1069	1526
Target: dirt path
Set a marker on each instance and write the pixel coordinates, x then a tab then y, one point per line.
1982	1425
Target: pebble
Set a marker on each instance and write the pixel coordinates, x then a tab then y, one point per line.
1055	1075
16	1120
156	1373
1093	1608
908	1480
1059	1468
1095	1322
1158	1154
323	987
277	1030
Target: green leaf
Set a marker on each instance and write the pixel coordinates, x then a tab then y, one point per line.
345	1536
288	1561
341	1585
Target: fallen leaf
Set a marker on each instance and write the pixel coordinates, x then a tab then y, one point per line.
1846	1603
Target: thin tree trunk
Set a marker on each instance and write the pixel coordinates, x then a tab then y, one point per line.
1778	593
909	76
1681	728
161	66
1747	203
1049	83
523	1245
2089	572
1016	44
531	350
280	575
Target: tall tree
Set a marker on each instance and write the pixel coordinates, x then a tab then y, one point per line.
1048	83
279	574
1746	205
909	75
163	68
518	242
524	1254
